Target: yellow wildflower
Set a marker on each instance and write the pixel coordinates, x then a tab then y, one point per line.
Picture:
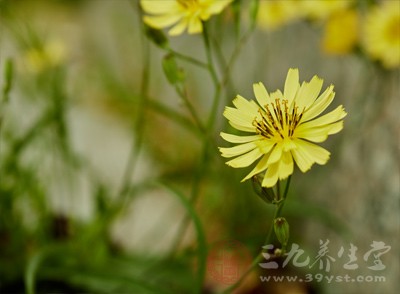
276	13
51	54
382	34
341	32
284	128
183	13
322	9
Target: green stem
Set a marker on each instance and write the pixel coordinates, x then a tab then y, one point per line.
268	240
162	109
138	126
182	93
214	77
205	152
188	58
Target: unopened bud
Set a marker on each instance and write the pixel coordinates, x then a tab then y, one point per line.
266	194
281	227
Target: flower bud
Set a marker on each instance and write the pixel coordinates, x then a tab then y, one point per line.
266	194
281	227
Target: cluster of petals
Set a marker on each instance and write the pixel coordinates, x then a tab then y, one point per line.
181	14
381	38
283	128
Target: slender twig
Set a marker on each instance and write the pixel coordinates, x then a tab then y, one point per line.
188	58
183	94
214	77
206	143
138	132
210	124
243	40
174	115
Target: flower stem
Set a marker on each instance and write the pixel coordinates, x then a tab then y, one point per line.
202	167
138	128
188	59
268	240
214	77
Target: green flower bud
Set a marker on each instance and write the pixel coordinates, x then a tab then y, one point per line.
266	194
172	71
157	36
281	227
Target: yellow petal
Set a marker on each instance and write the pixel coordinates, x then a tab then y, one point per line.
285	166
309	92
215	7
179	27
242	127
291	84
261	94
271	176
329	118
245	105
245	159
239	118
336	127
240	139
276	153
276	95
306	154
237	150
317	134
265	145
161	21
320	104
195	26
159	6
261	166
303	161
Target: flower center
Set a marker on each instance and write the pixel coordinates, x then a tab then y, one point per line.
277	120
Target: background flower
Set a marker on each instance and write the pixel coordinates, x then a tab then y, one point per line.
50	54
382	33
276	13
185	14
341	32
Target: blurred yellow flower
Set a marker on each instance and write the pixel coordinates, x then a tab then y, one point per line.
276	13
381	34
321	9
51	54
183	13
341	32
284	128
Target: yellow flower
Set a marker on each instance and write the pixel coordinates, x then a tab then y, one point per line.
341	32
183	13
321	9
284	128
382	34
51	54
276	13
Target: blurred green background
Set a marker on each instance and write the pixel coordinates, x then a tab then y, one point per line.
108	185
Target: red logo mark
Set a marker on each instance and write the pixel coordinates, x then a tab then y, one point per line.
227	261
